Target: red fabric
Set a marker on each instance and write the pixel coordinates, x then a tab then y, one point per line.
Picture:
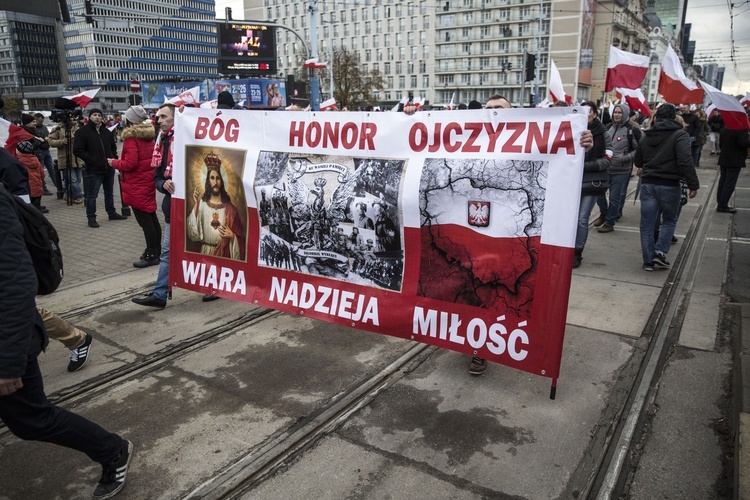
36	173
138	188
675	92
17	134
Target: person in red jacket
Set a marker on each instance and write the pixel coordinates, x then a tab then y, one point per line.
25	154
137	176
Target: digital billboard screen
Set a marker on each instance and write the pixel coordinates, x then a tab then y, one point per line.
247	49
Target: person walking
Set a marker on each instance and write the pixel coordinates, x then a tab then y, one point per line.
734	145
595	178
137	176
663	158
94	144
24	407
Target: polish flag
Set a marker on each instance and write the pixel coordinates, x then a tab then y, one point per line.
710	109
544	104
730	108
404	100
635	99
314	64
451	104
674	86
625	69
329	104
419	103
746	100
83	99
190	96
11	134
209	104
555	86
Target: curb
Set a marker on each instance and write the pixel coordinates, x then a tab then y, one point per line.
742	408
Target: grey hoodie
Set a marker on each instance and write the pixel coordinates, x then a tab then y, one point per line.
625	139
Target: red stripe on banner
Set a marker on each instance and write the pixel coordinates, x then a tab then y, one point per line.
525	282
735	120
624	76
675	92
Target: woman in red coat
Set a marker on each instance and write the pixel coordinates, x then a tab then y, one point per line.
137	176
25	154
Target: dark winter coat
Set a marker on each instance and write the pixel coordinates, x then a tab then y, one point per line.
664	155
13	174
597	160
716	122
42	132
22	332
160	177
94	146
734	145
137	174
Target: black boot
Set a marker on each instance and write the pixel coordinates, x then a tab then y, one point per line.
149	258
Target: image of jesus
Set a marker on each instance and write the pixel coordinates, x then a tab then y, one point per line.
214	220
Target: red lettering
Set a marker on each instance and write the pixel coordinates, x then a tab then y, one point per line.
349	135
233	130
447	144
415	146
493	134
296	133
367	135
436	138
536	136
201	127
563	140
476	129
510	145
313	135
216	130
331	134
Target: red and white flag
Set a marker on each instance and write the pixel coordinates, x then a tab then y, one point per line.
314	64
451	104
730	108
746	100
404	100
11	134
674	86
209	104
83	99
329	104
190	96
625	69
555	86
635	99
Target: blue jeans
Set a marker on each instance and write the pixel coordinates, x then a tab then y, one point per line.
162	279
49	164
655	199
696	150
94	181
618	190
584	213
76	181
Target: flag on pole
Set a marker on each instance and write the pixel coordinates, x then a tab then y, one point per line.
314	64
11	134
83	99
674	86
635	99
190	96
329	104
730	108
451	104
625	69
555	86
404	100
746	100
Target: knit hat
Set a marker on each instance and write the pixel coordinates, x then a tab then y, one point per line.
475	105
26	119
665	112
95	110
25	146
136	114
224	100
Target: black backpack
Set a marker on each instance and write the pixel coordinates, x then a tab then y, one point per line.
43	244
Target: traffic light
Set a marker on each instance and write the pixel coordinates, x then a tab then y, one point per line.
89	11
530	67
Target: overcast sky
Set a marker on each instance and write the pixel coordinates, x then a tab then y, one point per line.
711	22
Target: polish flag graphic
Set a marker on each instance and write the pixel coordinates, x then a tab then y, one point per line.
625	69
84	98
674	86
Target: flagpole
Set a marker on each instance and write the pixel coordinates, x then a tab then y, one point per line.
314	81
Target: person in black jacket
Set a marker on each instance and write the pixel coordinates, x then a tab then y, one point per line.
24	407
734	145
716	124
595	178
663	158
94	143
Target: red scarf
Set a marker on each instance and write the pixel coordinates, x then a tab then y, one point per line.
156	156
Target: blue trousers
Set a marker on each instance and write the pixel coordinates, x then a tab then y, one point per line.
94	181
655	199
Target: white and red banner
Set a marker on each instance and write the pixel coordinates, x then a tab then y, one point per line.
456	229
674	86
314	63
84	98
329	104
635	99
555	86
625	69
745	101
190	96
730	108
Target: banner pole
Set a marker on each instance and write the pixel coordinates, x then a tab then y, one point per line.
553	389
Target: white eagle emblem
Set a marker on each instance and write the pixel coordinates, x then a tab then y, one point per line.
479	213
